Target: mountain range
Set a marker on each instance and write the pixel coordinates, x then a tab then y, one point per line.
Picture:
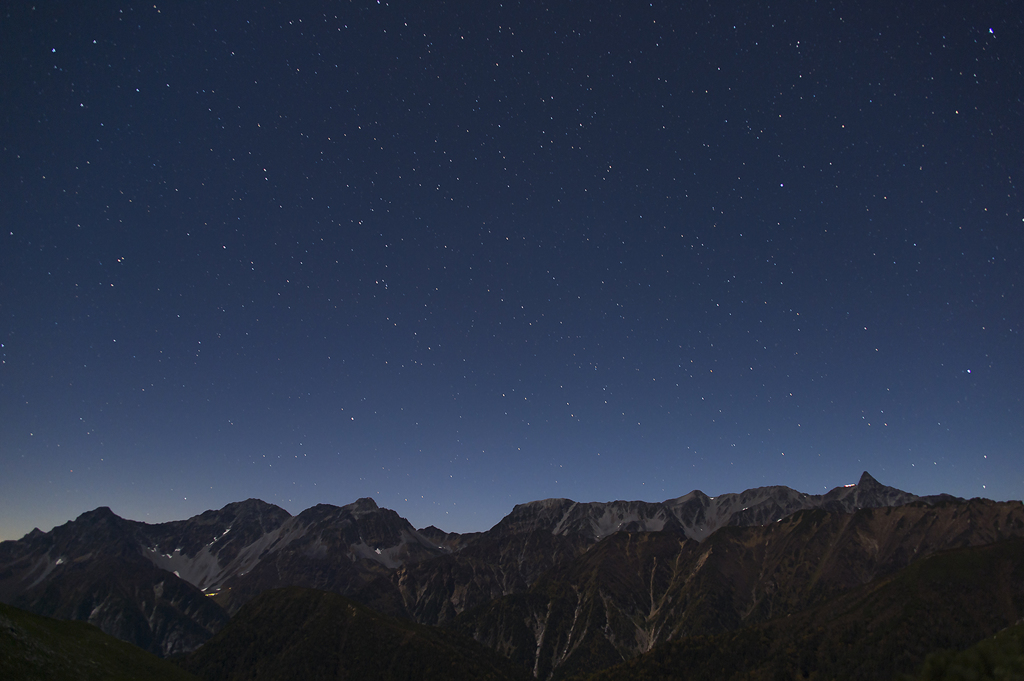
557	587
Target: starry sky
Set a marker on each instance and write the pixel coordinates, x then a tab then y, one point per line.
458	256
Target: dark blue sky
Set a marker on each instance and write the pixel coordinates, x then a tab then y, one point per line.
460	256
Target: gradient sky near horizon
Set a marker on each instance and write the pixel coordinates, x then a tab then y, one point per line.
458	256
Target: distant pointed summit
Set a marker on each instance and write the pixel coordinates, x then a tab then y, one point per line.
867	480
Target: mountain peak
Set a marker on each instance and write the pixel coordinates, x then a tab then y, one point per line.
867	481
97	513
253	507
251	503
364	505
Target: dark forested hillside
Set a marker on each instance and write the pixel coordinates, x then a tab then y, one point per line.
296	633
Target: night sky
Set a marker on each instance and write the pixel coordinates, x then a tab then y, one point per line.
458	256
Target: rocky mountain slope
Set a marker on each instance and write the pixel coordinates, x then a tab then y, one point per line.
634	591
169	587
541	535
695	515
95	569
881	630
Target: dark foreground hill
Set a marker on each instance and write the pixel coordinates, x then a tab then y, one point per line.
949	600
296	633
43	649
1000	658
